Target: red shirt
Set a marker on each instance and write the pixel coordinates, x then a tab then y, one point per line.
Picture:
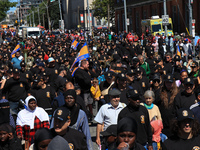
29	134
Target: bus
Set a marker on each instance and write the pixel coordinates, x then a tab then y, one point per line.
154	26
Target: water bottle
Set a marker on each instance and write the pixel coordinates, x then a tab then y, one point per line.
22	102
126	148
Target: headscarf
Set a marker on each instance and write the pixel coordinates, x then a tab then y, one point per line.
157	126
58	143
27	116
127	124
74	109
41	135
4	112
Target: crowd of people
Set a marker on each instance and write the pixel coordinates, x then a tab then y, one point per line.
146	89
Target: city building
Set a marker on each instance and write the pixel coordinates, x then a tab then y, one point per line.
75	13
26	5
144	9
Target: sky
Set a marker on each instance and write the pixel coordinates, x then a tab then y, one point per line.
12	9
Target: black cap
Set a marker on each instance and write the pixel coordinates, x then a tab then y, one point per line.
169	78
188	81
158	60
138	69
114	92
38	79
41	64
189	56
156	77
108	74
22	64
177	58
121	76
16	71
135	60
130	71
133	94
151	52
62	113
183	114
111	130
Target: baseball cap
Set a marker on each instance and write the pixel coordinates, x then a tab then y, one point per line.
138	69
111	130
177	58
130	71
169	78
189	56
188	81
51	59
114	92
62	113
41	64
108	74
121	76
135	60
156	77
16	70
133	94
184	114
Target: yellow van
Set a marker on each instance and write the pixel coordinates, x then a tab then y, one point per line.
154	26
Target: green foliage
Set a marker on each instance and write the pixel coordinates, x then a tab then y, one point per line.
4	7
100	8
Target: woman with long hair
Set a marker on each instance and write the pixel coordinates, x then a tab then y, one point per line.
166	102
185	131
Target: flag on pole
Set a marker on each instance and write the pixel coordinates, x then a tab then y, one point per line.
83	54
74	44
178	52
17	48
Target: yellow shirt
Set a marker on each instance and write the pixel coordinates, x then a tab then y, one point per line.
98	92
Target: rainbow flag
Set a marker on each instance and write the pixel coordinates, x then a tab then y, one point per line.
74	44
178	52
17	48
83	54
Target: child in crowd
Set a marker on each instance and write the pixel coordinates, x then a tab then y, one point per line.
158	137
8	140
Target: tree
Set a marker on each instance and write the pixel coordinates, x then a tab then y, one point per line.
100	8
4	7
53	13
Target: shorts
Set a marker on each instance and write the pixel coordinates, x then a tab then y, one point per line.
87	98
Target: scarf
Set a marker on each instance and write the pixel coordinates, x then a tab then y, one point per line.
149	107
27	116
157	126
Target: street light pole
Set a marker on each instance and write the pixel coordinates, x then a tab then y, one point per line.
190	17
88	9
125	16
48	14
165	13
61	16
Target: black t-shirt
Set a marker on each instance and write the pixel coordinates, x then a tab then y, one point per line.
176	143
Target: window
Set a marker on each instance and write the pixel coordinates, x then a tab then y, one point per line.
156	28
144	14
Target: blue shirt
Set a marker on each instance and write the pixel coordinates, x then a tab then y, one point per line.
16	63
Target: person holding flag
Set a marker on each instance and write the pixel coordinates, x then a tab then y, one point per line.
83	77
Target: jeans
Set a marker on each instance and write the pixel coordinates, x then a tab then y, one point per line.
14	109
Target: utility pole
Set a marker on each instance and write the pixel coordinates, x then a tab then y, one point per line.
165	13
39	15
125	16
108	16
88	9
190	16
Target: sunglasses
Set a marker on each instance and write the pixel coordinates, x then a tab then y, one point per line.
156	81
